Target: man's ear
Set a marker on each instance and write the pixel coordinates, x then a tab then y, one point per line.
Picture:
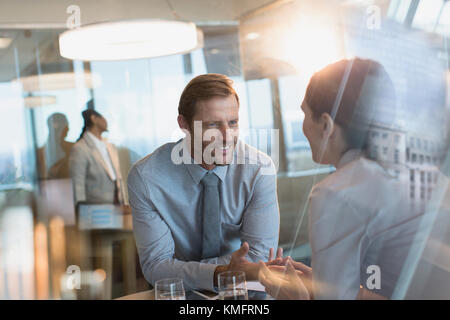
182	123
327	125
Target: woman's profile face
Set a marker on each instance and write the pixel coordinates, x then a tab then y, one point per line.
100	122
313	132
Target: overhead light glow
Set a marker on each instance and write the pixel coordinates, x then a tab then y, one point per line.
252	36
58	81
5	42
39	101
133	39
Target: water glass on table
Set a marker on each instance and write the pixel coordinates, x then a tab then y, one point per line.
232	285
169	289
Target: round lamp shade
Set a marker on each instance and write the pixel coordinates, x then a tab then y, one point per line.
39	101
133	39
59	81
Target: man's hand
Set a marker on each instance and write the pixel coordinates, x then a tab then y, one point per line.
239	262
283	284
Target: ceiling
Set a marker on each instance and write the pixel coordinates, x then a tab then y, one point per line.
34	25
53	13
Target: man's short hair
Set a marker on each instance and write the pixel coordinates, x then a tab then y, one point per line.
204	87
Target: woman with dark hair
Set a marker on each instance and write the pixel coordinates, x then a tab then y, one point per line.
360	228
94	164
89	122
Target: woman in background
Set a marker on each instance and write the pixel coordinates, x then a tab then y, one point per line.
360	225
94	164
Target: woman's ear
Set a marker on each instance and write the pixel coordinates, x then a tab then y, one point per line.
93	119
327	125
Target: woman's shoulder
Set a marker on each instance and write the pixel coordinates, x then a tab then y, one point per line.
356	182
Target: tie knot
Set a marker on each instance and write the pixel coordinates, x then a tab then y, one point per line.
210	179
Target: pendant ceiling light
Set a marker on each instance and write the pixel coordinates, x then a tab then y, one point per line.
132	39
59	81
39	101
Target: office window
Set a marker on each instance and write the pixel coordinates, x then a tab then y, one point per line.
412	192
427	14
374	152
270	49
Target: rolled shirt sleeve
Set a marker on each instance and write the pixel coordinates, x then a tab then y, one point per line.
261	220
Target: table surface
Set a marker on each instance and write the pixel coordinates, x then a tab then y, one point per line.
150	294
144	295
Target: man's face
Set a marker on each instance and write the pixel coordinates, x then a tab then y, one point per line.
218	121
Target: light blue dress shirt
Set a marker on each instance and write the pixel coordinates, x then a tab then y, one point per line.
360	222
166	200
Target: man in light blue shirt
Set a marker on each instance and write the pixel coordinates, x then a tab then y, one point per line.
196	201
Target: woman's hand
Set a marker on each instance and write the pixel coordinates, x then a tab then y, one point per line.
283	284
279	264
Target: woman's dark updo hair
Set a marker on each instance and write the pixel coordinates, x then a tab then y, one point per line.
87	118
355	93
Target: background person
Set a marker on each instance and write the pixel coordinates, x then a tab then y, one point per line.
54	155
94	164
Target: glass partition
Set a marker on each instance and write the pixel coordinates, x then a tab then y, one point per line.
270	49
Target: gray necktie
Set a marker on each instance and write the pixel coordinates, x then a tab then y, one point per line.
211	216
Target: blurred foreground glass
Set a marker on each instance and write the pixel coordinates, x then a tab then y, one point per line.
232	285
169	289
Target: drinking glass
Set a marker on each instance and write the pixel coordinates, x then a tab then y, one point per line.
169	289
232	285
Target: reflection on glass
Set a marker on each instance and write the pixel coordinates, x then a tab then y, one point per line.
53	157
169	289
232	285
270	52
